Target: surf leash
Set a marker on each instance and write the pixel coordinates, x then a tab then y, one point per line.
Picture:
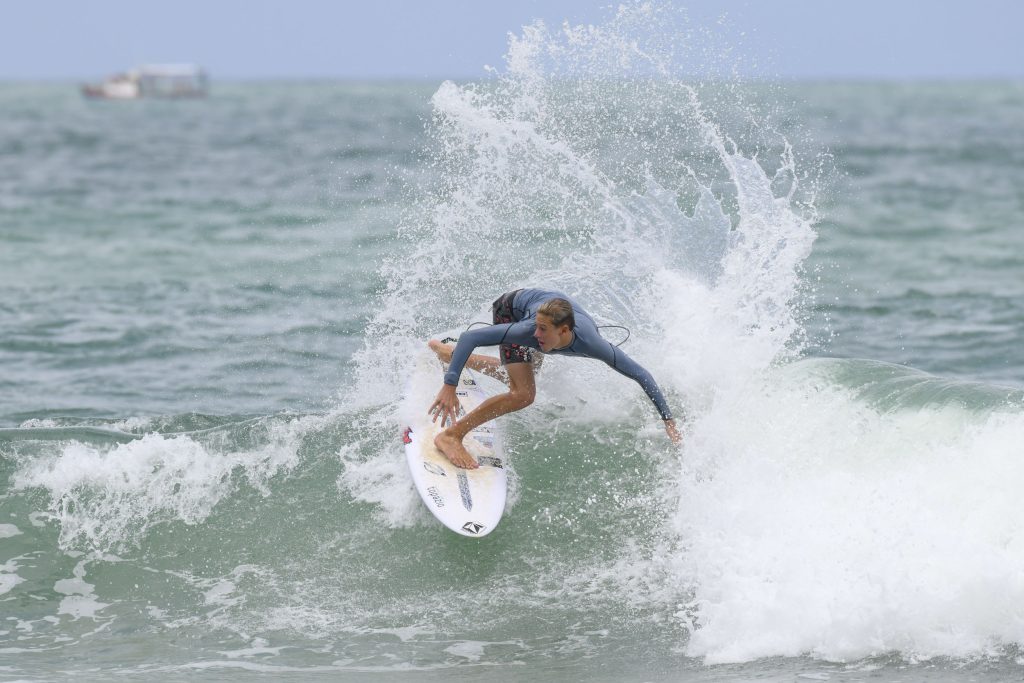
617	327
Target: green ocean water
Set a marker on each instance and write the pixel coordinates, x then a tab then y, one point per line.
205	308
208	249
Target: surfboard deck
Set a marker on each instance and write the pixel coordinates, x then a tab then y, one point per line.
469	502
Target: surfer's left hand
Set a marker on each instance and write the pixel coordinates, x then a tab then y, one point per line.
673	432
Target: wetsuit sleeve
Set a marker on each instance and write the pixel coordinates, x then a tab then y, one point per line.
482	336
630	368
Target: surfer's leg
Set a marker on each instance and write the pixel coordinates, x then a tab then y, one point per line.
489	365
522	390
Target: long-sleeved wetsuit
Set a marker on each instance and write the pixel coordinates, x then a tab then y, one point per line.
587	342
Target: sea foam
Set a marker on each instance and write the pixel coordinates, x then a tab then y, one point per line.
820	524
107	497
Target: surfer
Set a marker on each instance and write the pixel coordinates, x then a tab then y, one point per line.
524	321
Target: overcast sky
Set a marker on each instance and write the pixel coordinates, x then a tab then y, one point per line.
434	39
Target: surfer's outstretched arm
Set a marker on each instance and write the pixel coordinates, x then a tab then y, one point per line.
630	368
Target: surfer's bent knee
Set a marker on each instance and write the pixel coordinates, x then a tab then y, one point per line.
522	398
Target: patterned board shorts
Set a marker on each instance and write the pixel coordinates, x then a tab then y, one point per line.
502	313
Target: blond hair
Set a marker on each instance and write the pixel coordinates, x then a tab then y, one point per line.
559	311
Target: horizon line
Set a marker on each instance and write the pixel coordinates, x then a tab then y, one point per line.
808	79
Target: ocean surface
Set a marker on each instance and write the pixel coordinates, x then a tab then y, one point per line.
208	310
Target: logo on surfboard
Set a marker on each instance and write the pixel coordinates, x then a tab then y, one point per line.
435	496
407	436
434	469
473	527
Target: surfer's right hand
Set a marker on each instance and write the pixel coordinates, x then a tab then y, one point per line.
673	432
445	406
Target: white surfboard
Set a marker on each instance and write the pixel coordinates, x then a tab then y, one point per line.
469	502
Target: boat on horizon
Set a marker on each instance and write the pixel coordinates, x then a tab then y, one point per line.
168	81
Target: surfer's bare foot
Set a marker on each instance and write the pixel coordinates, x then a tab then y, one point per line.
443	351
453	449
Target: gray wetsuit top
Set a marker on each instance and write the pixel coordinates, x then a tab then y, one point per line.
587	342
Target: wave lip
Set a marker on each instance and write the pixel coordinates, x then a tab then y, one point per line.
890	387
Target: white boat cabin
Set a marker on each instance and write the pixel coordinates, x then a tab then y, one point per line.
154	80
